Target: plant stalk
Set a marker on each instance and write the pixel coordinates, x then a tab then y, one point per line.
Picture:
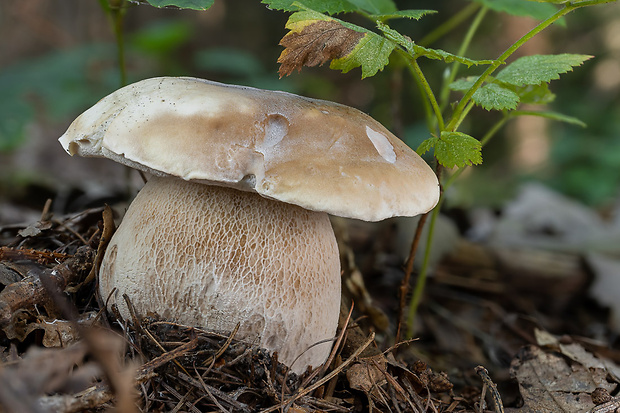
445	92
449	24
418	75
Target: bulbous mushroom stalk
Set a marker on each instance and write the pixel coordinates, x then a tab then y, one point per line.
215	256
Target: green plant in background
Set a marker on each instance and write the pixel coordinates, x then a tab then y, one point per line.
316	37
58	82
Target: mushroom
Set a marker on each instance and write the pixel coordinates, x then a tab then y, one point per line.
233	226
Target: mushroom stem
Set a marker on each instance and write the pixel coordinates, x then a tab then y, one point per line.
213	257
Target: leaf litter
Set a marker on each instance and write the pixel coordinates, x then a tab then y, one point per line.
60	352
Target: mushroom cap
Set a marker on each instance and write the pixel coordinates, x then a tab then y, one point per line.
319	155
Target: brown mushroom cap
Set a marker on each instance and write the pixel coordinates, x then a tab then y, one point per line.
319	155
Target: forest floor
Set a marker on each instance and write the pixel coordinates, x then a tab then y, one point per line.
514	321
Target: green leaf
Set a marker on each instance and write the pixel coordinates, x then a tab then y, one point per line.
560	117
427	145
463	84
533	94
183	4
538	11
534	70
403	14
493	96
416	50
528	94
321	6
453	149
456	149
163	36
375	6
371	54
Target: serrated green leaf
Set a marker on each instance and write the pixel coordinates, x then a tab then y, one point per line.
371	54
493	96
304	17
403	14
427	145
536	69
533	94
183	4
375	6
560	117
321	6
538	11
457	149
463	84
416	50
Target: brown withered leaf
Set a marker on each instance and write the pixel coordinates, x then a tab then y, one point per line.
315	44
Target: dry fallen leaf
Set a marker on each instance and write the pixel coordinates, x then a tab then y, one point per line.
368	374
56	332
549	382
315	44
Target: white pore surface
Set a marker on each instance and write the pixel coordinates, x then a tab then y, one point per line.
213	257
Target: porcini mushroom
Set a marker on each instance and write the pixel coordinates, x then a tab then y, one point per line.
233	226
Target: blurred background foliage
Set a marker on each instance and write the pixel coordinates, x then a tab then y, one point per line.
59	57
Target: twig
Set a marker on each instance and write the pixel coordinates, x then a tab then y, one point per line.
100	342
223	396
108	230
86	400
394	384
302	392
206	389
31	290
146	370
487	382
182	399
157	343
222	349
609	407
404	286
42	257
334	351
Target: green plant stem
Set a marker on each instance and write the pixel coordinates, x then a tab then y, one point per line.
585	3
423	84
459	114
417	74
116	9
449	24
428	110
468	108
445	91
418	291
422	276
